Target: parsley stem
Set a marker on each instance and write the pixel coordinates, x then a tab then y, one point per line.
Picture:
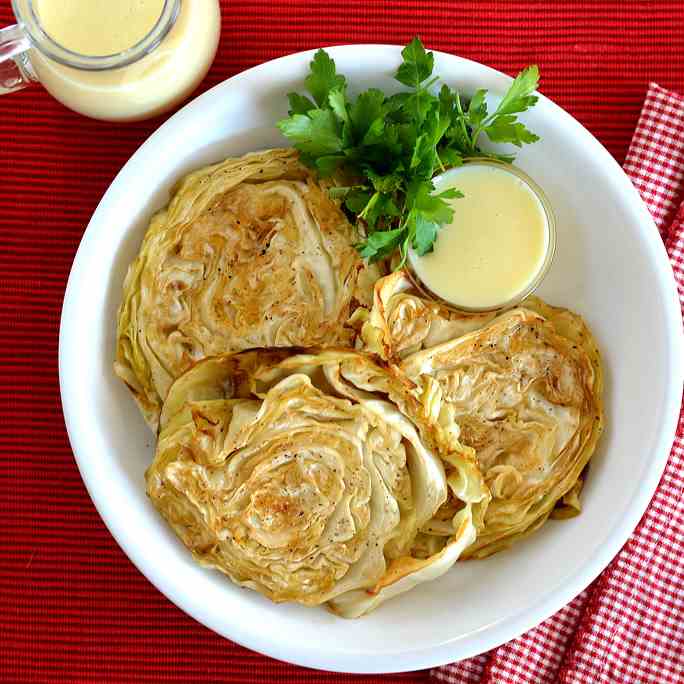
486	122
403	250
462	121
429	84
475	135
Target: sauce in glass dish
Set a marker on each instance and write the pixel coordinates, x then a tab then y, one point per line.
498	246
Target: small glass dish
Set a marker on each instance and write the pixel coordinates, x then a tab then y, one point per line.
543	269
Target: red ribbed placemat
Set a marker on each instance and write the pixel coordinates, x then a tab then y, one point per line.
72	607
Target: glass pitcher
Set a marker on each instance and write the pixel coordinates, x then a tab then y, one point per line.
141	81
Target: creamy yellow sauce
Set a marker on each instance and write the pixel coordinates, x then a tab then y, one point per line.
144	88
98	27
496	244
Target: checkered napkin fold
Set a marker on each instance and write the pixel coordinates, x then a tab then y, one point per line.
628	626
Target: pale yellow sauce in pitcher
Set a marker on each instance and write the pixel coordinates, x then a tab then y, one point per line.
98	27
147	87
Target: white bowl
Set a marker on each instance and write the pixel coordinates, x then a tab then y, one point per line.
610	266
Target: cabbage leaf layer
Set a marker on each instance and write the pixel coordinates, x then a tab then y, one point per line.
522	389
309	477
250	252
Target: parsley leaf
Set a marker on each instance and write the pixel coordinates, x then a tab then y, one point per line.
505	129
326	166
323	78
299	104
367	110
375	133
449	157
338	103
519	97
502	126
314	133
425	203
426	234
379	206
387	183
381	244
426	213
417	65
357	199
477	109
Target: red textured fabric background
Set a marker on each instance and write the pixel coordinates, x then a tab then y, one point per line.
72	607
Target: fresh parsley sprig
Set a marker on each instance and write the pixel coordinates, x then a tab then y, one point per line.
390	147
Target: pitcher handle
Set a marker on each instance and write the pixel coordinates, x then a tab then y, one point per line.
16	71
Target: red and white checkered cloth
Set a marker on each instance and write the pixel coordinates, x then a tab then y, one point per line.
628	626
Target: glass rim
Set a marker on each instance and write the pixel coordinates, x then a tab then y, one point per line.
543	269
29	22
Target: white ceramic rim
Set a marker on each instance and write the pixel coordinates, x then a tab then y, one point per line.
406	659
